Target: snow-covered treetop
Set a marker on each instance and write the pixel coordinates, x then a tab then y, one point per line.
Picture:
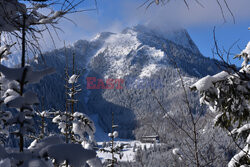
81	125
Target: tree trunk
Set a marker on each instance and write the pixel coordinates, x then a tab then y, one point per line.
21	139
23	41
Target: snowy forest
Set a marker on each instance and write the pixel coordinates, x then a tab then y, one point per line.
139	97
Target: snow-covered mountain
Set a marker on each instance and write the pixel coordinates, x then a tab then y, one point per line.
144	59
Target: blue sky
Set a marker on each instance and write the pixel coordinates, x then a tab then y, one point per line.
115	15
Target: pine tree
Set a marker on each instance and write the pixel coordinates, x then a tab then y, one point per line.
113	149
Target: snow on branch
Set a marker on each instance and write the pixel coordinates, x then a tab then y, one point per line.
209	81
41	153
74	154
29	98
30	77
235	161
73	79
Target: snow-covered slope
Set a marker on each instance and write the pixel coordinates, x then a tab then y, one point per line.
126	49
136	55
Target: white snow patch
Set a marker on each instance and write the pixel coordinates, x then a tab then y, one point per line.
115	50
148	71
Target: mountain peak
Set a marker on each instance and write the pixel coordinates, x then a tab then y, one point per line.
102	36
179	36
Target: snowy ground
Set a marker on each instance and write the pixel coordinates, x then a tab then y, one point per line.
128	151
